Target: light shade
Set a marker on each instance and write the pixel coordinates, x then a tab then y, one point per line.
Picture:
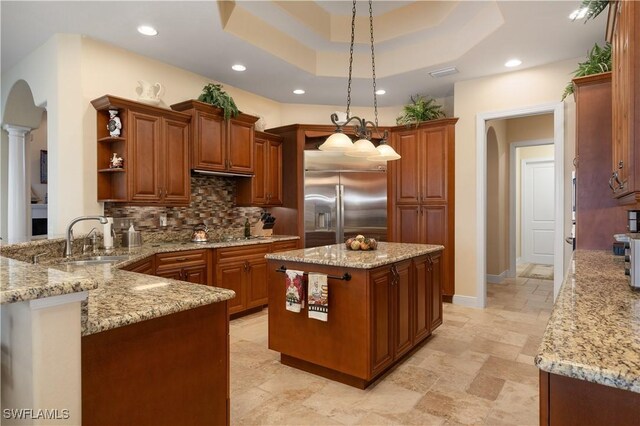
337	142
385	153
362	148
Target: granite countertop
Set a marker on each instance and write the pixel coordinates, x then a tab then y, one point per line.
339	255
117	297
20	281
593	333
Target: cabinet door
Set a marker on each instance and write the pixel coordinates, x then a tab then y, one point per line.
434	226
145	156
176	173
174	274
435	276
195	274
274	173
403	308
407	224
260	179
422	296
407	169
240	146
257	283
209	145
433	155
232	275
381	311
145	266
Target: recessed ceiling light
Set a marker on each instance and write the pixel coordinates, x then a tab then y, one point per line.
579	13
381	92
299	92
147	30
238	67
512	63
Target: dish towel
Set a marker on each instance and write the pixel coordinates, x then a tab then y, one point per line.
294	290
318	296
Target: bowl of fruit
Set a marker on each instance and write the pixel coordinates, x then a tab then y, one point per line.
360	242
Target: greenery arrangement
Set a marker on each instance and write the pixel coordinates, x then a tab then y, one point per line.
594	8
214	95
598	61
420	109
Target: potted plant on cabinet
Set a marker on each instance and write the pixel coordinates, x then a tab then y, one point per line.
598	61
214	95
420	109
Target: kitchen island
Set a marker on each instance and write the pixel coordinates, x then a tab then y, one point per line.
589	358
381	305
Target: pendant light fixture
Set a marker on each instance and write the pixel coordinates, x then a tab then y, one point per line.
363	147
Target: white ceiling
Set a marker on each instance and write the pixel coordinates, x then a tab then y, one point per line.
191	36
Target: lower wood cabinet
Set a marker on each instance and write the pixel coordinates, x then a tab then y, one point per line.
284	245
244	270
144	266
191	266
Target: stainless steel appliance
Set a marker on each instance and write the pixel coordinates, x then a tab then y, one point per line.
343	197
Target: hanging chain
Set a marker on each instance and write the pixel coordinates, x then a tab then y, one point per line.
353	31
373	65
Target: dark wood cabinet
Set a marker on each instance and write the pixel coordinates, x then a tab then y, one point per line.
434	284
191	266
219	145
624	31
243	270
265	187
421	190
154	145
284	245
144	266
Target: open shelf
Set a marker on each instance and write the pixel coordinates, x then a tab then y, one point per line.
112	139
111	170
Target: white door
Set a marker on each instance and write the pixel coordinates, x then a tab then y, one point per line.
538	211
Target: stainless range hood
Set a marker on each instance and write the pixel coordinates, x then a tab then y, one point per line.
221	174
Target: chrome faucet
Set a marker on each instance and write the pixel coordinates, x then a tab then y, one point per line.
68	250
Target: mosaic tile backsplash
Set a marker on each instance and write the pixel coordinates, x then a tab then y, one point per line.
212	203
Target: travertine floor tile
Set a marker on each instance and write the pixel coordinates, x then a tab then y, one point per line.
477	368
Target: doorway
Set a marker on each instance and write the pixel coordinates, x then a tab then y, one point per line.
537	211
557	110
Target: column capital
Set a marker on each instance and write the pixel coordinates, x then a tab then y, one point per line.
14	130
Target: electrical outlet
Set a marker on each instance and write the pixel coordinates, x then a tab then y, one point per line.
163	220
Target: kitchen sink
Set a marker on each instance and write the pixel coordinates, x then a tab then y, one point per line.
97	260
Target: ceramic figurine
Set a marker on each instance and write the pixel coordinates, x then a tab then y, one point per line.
114	125
116	162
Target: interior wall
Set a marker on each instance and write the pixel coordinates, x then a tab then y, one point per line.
38	143
493	191
532	127
527	153
504	92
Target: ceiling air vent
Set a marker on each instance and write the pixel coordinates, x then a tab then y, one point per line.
443	72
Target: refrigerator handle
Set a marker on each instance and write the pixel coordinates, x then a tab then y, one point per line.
339	214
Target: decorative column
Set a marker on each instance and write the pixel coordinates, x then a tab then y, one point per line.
18	201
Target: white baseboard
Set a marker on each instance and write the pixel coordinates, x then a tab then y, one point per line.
470	301
497	279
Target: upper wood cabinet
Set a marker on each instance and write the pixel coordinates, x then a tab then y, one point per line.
624	27
421	190
154	144
218	145
265	187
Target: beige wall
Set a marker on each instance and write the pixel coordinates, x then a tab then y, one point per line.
513	90
38	143
533	127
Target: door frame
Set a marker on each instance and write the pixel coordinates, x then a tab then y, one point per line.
557	108
512	197
524	163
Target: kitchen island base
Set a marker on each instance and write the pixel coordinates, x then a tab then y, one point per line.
375	318
170	370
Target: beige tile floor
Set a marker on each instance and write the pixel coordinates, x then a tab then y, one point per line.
476	369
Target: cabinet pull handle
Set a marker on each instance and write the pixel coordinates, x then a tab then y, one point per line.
181	259
620	165
617	179
430	261
230	164
611	183
575	161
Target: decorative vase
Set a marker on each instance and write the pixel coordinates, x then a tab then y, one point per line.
149	93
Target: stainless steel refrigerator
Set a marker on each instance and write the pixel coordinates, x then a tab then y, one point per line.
343	197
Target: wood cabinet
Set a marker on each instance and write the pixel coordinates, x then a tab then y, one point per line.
191	266
243	269
219	145
144	266
170	370
421	190
374	319
598	215
154	145
265	187
624	31
284	245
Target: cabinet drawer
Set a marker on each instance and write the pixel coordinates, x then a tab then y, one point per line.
144	266
243	252
284	245
179	259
